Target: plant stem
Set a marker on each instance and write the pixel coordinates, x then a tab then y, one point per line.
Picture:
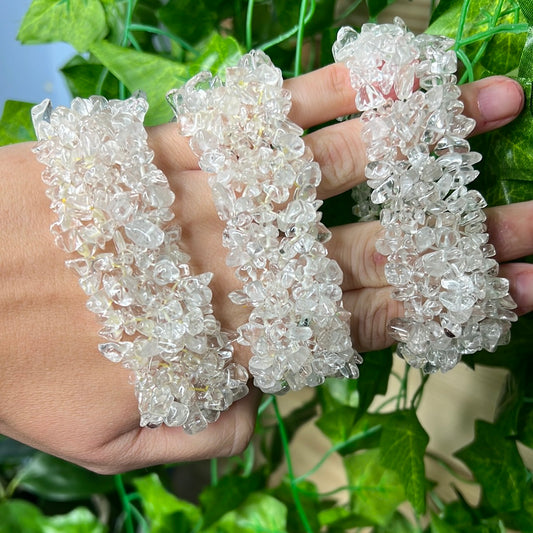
502	28
249	18
337	447
125	38
264	405
126	504
462	20
300	39
249	460
213	464
448	467
287	452
171	36
101	80
469	74
417	396
388	401
401	400
127	22
349	10
288	33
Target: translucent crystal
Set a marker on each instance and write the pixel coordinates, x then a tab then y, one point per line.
157	318
434	228
264	188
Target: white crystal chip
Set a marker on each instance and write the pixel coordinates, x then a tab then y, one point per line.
113	208
419	164
264	189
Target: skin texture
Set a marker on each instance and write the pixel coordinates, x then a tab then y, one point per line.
61	396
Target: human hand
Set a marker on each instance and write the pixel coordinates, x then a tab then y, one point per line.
60	395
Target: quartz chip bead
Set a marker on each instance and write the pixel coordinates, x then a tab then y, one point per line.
419	165
263	181
113	212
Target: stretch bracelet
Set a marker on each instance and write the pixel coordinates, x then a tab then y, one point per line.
440	262
113	209
264	181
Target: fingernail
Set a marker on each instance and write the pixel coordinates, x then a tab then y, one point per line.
500	99
522	291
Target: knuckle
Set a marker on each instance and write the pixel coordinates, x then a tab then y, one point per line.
338	79
339	159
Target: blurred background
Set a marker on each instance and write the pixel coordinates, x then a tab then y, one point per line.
29	73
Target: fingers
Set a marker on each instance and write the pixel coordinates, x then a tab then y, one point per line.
339	150
144	447
511	230
371	309
520	276
321	95
367	294
353	246
172	151
492	102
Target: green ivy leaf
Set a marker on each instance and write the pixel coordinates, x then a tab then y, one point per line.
506	171
527	9
375	491
166	513
218	53
259	513
365	433
83	79
310	500
273	449
341	519
502	51
16	125
349	433
79	520
342	392
446	16
521	520
192	20
374	377
502	55
511	355
337	424
78	22
149	73
54	479
497	466
228	494
19	516
438	525
460	515
402	448
397	524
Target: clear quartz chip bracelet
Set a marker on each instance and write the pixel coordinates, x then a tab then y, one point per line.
264	183
440	262
113	210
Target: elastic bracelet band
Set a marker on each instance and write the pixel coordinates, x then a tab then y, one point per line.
113	208
419	164
264	187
